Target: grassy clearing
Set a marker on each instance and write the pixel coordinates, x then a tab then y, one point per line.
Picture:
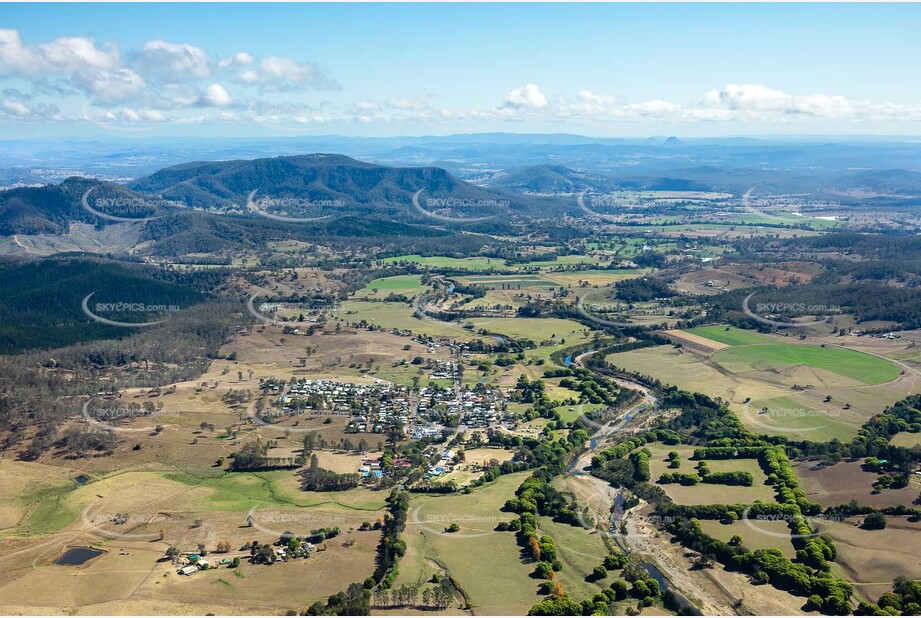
48	509
538	329
755	535
731	336
594	277
513	282
35	498
846	481
774	389
788	416
438	261
476	558
871	559
705	493
906	439
400	316
410	285
239	492
580	551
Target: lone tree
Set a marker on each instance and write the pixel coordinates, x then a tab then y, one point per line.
874	521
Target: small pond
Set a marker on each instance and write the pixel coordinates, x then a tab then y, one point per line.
75	556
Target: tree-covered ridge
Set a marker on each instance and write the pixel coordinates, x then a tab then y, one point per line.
42	301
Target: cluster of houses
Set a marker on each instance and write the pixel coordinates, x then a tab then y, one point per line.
427	432
374	408
370	467
285	552
192	563
443	370
476	408
481	408
373	466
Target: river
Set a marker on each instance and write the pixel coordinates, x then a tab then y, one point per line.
648	405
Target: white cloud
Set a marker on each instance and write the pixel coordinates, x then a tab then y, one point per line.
135	116
173	62
215	96
61	56
71	54
110	86
528	96
367	105
586	96
16	107
24	111
179	82
276	74
748	97
15	57
238	59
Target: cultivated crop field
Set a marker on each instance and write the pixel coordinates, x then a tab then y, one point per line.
732	336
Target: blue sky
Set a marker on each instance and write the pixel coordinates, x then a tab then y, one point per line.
408	69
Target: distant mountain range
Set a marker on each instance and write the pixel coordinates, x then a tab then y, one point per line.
316	178
206	206
548	179
551	179
322	186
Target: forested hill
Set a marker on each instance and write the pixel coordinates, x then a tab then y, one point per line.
42	299
328	184
553	179
50	209
325	187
